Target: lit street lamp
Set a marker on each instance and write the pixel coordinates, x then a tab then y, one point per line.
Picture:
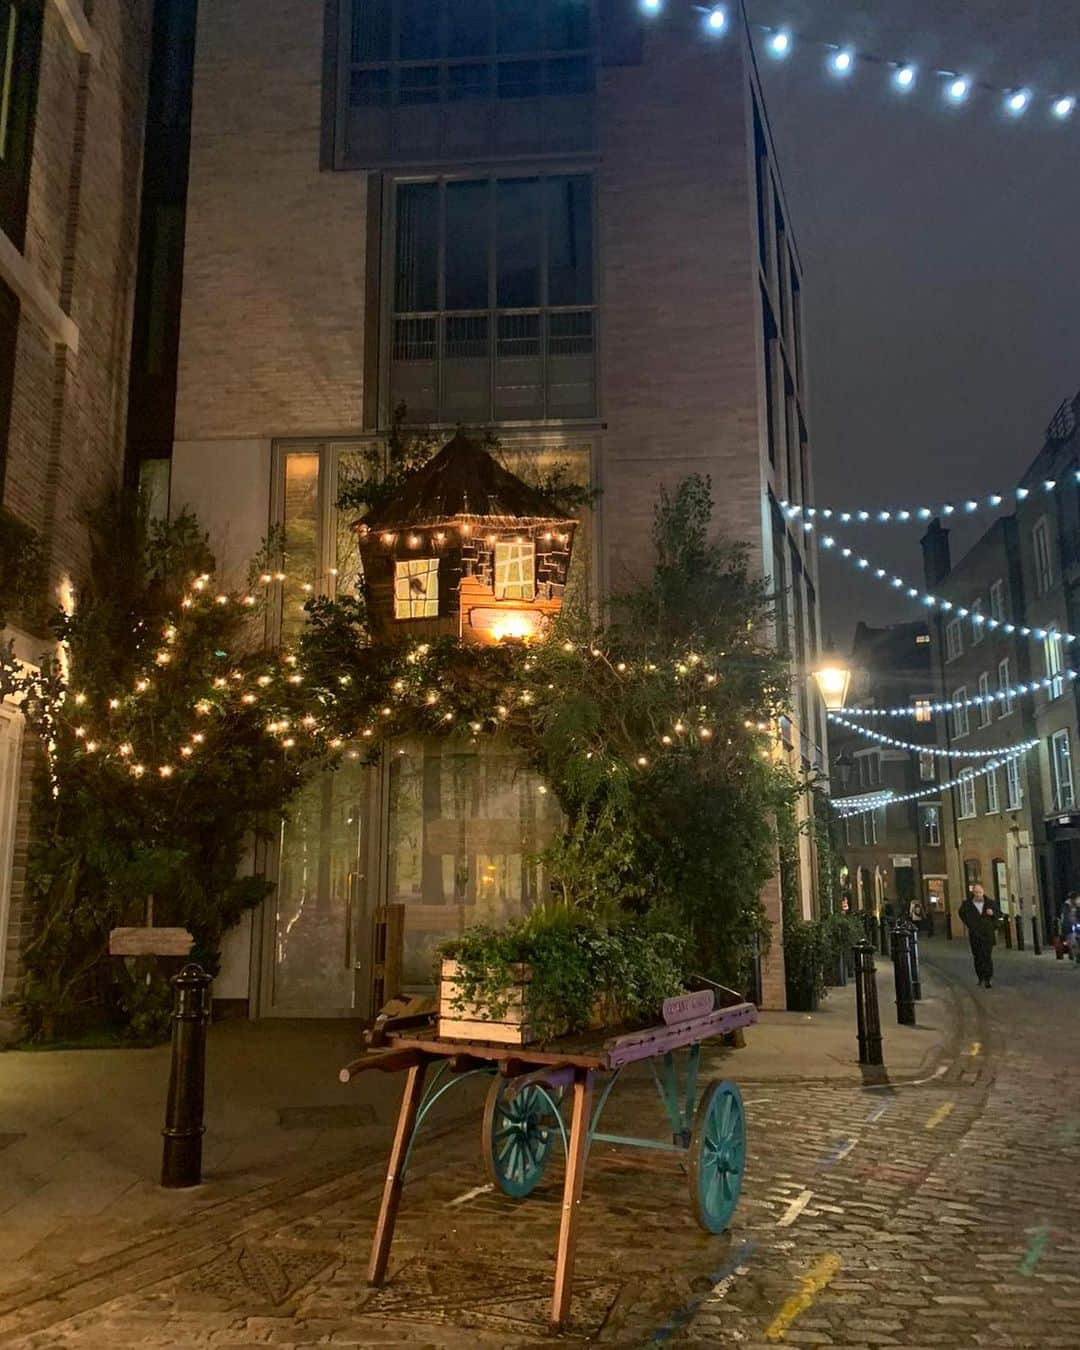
833	679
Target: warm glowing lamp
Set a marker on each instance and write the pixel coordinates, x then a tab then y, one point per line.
833	680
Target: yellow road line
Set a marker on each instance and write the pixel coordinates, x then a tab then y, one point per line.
822	1274
942	1113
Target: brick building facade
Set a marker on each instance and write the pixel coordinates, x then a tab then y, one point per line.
69	194
562	221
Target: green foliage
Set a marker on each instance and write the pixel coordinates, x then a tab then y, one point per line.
829	852
840	932
22	572
805	955
585	970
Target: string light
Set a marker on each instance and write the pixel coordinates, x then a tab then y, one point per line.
958	89
780	43
864	564
1063	107
716	20
928	749
895	799
904	78
949	705
842	62
1017	101
875	515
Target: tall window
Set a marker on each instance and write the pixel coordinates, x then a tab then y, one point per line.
986	706
493	299
930	818
515	569
1061	770
997	601
954	640
927	767
20	50
923	712
869	828
992	805
1014	790
965	796
1054	661
1005	703
978	622
1040	544
960	712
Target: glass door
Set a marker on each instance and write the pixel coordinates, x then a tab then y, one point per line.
321	907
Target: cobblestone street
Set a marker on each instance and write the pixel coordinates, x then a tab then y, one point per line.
934	1213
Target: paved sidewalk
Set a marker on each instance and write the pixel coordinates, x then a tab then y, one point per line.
80	1143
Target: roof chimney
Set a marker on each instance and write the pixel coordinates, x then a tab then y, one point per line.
937	563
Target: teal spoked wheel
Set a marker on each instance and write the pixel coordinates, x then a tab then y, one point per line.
717	1156
519	1134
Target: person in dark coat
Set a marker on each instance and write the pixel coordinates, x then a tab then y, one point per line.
977	916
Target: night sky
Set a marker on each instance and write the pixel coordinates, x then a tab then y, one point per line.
941	247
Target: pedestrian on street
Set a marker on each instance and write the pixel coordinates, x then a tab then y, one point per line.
977	916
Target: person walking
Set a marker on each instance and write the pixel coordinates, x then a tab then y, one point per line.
977	916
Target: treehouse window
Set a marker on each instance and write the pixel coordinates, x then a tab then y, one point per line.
416	589
515	570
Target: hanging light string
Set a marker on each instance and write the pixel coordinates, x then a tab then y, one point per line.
907	514
935	750
950	705
955	87
895	799
863	564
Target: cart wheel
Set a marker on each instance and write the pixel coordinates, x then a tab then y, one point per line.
519	1135
717	1156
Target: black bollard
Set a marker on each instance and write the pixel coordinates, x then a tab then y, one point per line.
1019	932
1007	926
913	948
1035	947
905	995
181	1157
867	1013
883	934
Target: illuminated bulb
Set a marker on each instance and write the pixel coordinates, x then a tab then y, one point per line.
142	686
502	710
621	666
288	742
169	634
296	679
163	658
264	680
386	712
198	737
199	584
652	6
705	733
80	731
220	683
124	749
333	571
247	698
91	746
432	698
666	740
679	727
186	751
1018	101
780	43
187	602
279	576
114	703
308	587
335	744
475	726
249	600
399	685
568	646
447	717
642	761
80	699
905	77
491	539
138	770
310	721
716	19
843	61
266	578
166	770
1063	107
542	790
958	89
440	538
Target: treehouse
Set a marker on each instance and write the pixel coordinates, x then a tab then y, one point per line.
464	549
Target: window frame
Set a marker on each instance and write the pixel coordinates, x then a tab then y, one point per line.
1014	786
986	709
1007	705
1040	547
978	623
993	801
924	708
927	762
997	601
926	820
954	639
490	175
960	713
1054	663
516	590
966	784
1062	801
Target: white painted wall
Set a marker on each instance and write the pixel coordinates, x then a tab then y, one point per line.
227	485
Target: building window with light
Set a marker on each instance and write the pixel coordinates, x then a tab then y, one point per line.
1005	702
954	640
965	796
960	712
1061	770
1040	545
515	569
997	602
1014	789
416	588
992	804
1054	663
930	817
977	621
923	710
986	700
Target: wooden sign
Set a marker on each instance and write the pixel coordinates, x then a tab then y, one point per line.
686	1006
150	942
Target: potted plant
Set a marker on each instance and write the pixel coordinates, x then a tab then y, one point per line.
557	972
804	963
840	932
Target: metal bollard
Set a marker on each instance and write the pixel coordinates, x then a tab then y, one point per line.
905	994
913	939
883	935
1007	927
1035	946
1019	932
181	1157
867	1013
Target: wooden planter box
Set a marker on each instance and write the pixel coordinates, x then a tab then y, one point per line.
474	1021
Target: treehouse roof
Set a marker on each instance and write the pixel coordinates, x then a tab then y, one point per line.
462	481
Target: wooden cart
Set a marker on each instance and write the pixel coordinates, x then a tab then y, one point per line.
558	1092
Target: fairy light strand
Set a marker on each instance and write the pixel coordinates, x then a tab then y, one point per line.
895	799
906	515
934	750
1001	696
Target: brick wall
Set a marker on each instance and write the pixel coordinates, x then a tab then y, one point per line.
18	920
66	441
